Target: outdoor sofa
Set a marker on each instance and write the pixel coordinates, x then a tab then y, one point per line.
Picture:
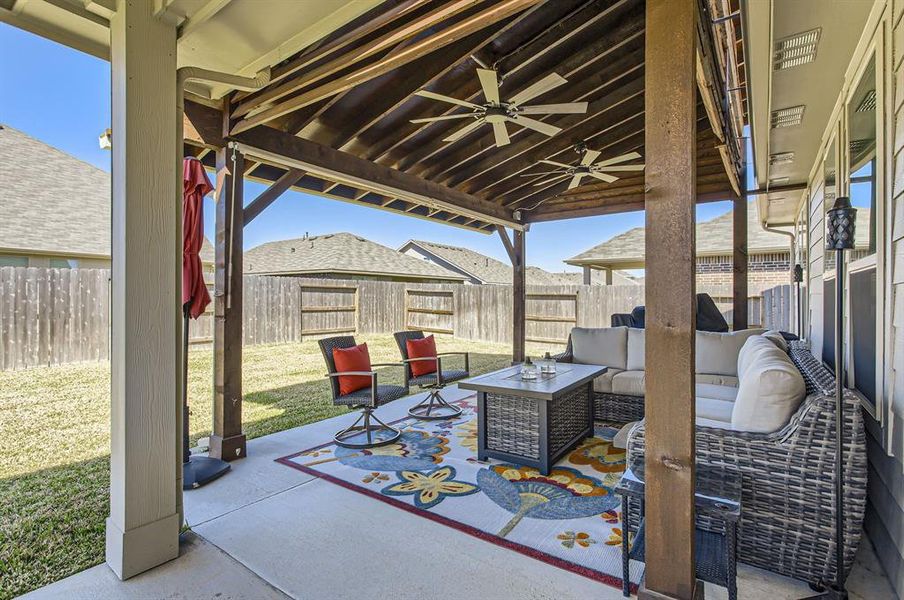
784	447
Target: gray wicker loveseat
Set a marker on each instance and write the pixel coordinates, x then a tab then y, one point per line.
787	520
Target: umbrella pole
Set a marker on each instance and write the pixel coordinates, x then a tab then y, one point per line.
196	470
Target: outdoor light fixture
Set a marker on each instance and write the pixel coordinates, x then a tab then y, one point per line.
840	225
105	140
798	278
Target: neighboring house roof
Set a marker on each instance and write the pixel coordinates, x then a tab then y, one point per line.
714	238
488	270
342	253
54	203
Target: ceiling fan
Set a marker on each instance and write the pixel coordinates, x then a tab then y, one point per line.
498	112
586	167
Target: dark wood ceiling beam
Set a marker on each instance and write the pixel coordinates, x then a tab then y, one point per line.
383	43
366	25
202	125
493	14
568	62
594	88
325	162
512	65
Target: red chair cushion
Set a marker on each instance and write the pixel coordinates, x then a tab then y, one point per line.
352	359
423	348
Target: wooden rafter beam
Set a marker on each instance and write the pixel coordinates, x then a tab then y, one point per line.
267	197
203	125
338	166
507	243
442	38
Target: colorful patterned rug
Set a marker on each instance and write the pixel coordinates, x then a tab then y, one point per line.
570	518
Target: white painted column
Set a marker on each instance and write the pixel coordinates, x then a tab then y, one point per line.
145	462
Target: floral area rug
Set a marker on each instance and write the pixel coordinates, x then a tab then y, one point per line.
569	518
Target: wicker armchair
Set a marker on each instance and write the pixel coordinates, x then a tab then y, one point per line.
434	406
608	407
367	399
787	519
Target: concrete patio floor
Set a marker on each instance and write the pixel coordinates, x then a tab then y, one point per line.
268	531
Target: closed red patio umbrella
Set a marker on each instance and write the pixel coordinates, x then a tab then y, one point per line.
196	470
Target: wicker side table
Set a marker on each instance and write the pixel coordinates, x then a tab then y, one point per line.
717	497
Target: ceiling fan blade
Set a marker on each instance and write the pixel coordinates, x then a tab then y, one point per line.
501	134
589	157
575	181
538	174
449	99
617	159
551	81
544	128
489	84
554	109
555	164
442	118
551	180
621	168
457	135
603	177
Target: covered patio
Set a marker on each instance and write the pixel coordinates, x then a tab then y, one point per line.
345	100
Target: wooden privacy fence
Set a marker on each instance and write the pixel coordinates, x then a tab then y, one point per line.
56	316
777	307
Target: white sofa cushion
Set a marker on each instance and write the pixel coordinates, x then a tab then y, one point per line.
770	391
603	383
607	346
636	349
775	336
717	353
752	349
719	392
714	409
629	383
717	379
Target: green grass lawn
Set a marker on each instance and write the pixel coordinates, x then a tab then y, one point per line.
55	443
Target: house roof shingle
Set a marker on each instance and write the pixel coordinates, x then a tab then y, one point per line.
53	202
714	238
344	253
491	271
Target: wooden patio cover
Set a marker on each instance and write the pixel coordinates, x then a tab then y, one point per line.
335	120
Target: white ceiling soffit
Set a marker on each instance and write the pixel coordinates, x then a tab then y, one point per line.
239	37
814	84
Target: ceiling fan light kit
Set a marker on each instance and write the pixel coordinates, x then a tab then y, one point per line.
498	112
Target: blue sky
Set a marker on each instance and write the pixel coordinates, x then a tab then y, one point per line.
62	97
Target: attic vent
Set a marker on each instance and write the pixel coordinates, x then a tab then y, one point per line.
796	50
778	181
360	239
787	117
781	158
868	104
292	249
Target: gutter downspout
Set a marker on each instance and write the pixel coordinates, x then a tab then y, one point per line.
183	75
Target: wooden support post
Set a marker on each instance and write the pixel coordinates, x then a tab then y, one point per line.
608	273
739	260
519	298
227	441
670	115
587	276
142	530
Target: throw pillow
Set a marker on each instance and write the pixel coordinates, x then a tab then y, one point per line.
356	358
424	348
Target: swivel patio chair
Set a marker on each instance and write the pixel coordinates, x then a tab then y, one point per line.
367	399
434	406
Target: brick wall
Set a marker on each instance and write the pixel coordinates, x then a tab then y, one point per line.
763	270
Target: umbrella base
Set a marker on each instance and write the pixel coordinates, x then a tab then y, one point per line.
201	470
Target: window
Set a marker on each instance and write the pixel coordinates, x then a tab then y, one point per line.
8	260
864	343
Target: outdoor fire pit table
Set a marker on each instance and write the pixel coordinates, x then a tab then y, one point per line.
533	422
